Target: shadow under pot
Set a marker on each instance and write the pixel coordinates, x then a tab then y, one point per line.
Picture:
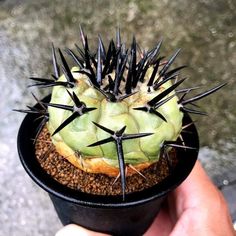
107	214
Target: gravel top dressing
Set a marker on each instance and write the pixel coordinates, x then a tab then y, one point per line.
65	173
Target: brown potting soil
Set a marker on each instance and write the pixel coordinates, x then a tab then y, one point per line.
67	174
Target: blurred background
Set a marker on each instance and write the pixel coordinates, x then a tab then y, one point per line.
204	29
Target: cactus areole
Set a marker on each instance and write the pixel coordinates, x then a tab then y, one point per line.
118	109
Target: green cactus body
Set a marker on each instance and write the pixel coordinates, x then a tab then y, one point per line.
81	132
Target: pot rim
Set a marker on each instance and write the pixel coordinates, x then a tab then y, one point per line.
38	174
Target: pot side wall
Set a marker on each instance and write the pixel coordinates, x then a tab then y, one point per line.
132	221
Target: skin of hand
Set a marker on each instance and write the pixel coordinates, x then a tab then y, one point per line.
195	208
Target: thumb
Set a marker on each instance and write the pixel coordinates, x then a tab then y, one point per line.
75	230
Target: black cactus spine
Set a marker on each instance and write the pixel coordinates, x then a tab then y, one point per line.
77	110
118	137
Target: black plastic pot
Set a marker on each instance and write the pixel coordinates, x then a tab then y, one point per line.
108	214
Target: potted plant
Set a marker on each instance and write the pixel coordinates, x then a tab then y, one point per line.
113	138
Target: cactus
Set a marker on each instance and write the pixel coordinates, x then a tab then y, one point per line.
118	109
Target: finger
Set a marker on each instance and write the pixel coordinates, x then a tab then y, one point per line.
178	202
199	207
75	230
197	190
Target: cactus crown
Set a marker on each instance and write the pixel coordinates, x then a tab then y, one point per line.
117	75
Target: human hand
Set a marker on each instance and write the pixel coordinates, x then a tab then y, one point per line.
196	207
